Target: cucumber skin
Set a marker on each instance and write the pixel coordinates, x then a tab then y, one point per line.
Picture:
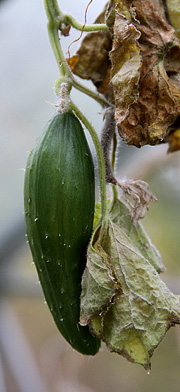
59	197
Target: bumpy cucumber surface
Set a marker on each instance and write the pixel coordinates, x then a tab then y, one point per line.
59	209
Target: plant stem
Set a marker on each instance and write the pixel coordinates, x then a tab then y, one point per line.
69	19
55	17
100	158
97	97
53	12
114	189
52	9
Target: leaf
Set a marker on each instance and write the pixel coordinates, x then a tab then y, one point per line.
138	196
123	298
174	141
97	282
126	62
145	61
120	215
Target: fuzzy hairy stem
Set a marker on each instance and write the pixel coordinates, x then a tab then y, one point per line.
107	135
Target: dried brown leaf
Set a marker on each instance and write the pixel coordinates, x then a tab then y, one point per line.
137	195
145	73
174	141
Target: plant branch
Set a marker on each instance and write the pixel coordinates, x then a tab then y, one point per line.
53	13
114	147
55	17
70	20
107	135
52	10
97	97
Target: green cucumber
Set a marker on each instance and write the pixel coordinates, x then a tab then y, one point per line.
59	193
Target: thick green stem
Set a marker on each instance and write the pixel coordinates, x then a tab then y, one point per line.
53	12
54	40
100	158
52	9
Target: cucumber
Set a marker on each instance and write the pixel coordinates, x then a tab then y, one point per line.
59	193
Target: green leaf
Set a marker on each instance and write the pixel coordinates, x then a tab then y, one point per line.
123	298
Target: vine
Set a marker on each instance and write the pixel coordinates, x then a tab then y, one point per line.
55	21
63	85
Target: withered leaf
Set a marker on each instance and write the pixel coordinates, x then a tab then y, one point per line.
145	61
98	275
138	196
121	216
174	141
123	298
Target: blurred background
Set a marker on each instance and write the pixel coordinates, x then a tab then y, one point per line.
33	355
